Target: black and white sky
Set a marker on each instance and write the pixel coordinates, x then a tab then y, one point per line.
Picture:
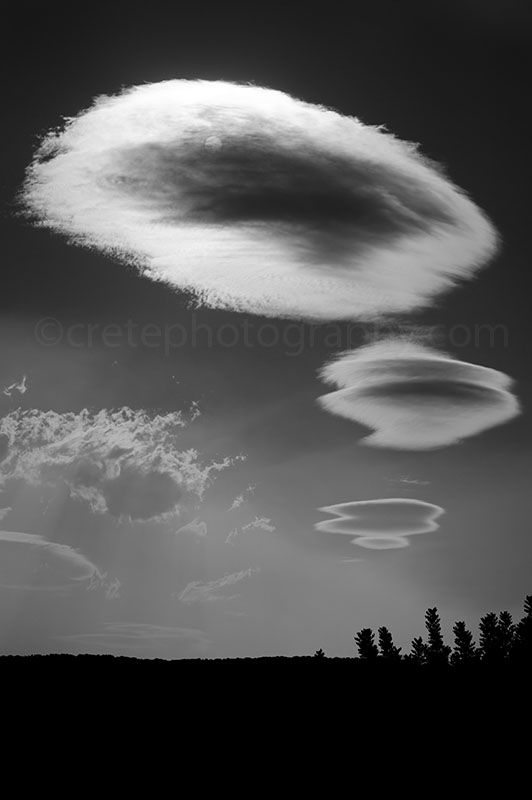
265	365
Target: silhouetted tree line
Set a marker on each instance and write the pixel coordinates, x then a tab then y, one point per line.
501	641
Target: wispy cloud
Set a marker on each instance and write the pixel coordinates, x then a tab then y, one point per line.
20	387
258	523
141	640
408	481
232	536
237	502
110	586
196	528
241	498
126	463
261	524
198	592
33	562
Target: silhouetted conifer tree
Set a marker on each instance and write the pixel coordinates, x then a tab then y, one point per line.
365	641
437	652
418	653
465	651
490	638
522	648
506	634
500	641
389	651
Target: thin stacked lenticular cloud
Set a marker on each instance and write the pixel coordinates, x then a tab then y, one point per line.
416	398
255	201
381	524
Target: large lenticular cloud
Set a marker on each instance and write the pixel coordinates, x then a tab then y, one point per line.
416	398
253	200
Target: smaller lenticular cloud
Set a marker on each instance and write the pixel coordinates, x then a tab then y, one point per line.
381	524
416	398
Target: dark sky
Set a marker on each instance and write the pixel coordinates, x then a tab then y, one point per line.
452	76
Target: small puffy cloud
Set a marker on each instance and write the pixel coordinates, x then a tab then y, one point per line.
29	561
256	201
140	640
198	592
237	502
416	398
381	524
126	463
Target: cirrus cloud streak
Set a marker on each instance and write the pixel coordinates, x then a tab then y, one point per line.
29	561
